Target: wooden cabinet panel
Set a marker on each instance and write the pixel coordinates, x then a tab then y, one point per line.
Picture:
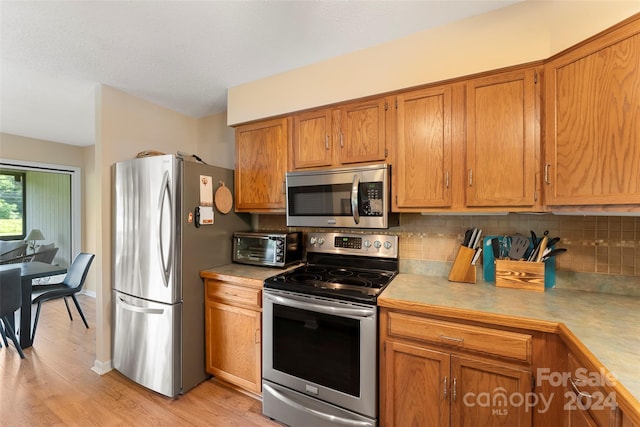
363	127
261	164
593	114
232	294
416	386
423	149
233	344
501	140
312	142
588	400
427	385
490	392
464	337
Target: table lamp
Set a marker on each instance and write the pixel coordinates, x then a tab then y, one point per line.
34	234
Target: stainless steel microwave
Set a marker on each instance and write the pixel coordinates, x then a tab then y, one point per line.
267	249
356	197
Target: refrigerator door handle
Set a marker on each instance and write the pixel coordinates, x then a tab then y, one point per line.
127	306
165	197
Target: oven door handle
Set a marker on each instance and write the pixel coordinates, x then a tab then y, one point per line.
330	418
355	210
292	301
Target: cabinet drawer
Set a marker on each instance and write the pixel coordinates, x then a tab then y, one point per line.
233	294
511	345
586	391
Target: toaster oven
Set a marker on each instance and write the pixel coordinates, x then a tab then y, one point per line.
267	249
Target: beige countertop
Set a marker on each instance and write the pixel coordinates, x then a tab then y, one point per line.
607	325
234	271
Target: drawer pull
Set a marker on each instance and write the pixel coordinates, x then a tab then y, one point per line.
454	339
455	387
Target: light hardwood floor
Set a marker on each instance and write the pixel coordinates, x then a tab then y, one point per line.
55	385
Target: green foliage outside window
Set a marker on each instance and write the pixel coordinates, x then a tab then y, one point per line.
12	197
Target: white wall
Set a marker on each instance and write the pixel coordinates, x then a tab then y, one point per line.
524	32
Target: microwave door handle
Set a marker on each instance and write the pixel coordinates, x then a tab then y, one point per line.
354	198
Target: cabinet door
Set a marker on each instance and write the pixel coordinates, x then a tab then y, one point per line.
491	392
423	163
501	140
312	144
233	344
592	114
416	386
261	162
362	136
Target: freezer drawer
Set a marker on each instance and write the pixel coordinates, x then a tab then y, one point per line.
146	343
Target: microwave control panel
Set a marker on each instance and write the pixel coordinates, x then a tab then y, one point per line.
371	202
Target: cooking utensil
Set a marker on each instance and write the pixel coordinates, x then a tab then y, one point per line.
475	242
541	247
495	245
519	246
554	252
552	242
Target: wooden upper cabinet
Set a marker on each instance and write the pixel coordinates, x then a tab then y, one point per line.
501	143
422	167
261	164
592	110
362	131
351	133
312	139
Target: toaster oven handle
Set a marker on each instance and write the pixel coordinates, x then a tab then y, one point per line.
354	198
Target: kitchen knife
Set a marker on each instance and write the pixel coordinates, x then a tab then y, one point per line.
473	238
476	256
474	244
467	238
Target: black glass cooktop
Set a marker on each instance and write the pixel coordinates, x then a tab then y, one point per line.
339	282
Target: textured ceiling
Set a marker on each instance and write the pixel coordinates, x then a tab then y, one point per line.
183	55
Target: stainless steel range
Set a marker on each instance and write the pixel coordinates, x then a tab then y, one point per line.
320	355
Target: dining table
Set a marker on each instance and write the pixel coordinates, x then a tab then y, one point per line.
28	272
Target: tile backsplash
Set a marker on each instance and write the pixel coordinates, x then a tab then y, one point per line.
604	245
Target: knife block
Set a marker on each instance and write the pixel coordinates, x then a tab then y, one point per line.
462	270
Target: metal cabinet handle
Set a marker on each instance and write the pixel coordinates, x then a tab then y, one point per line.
455	389
341	140
445	388
326	142
448	338
470	177
446	179
546	173
579	393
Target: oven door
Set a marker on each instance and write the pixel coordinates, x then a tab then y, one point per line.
322	348
346	197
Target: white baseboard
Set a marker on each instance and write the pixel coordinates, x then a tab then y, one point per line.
91	294
102	368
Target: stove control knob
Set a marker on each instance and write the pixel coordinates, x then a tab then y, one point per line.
377	244
387	245
312	240
367	244
320	240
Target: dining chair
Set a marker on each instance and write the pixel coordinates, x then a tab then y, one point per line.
69	286
45	253
10	301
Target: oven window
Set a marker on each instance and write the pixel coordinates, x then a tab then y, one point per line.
316	347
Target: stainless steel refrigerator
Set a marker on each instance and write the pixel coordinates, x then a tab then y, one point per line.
159	250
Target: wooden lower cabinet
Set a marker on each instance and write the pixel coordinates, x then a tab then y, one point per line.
422	384
233	334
